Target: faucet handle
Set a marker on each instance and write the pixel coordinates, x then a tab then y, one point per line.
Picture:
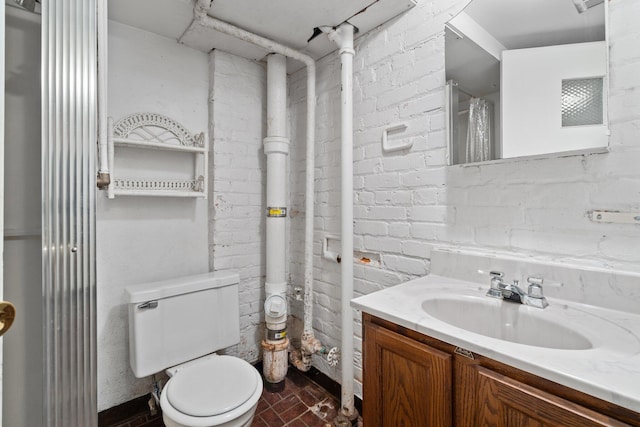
535	297
496	283
492	273
535	291
535	280
535	287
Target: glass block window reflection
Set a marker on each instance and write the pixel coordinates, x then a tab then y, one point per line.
582	102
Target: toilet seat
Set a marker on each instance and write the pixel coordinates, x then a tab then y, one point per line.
212	387
211	392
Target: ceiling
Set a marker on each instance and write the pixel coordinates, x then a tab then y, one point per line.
168	18
515	25
289	22
475	70
534	23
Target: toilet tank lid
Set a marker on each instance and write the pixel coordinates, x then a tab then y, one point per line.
179	285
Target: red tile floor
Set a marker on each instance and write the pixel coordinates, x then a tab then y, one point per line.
302	403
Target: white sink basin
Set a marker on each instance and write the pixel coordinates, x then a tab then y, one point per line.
508	321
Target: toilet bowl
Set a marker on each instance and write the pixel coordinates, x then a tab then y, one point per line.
212	391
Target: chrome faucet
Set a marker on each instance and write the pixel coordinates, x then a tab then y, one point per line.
512	292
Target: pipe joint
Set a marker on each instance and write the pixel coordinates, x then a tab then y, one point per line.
103	180
275	288
275	309
277	346
276	144
310	344
347	51
341	36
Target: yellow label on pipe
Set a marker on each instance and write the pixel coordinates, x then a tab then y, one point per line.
276	212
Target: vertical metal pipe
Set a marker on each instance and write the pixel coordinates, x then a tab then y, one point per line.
346	58
276	147
103	170
69	133
343	37
309	201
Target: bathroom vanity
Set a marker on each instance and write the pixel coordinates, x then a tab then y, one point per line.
437	351
413	379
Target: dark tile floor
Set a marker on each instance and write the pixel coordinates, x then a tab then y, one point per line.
302	403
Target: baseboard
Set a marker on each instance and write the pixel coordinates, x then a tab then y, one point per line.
136	409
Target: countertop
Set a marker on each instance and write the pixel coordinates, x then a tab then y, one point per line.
610	370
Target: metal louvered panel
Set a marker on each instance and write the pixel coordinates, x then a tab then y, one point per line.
69	131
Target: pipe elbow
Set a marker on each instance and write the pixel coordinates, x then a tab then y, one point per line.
310	344
103	180
201	9
342	36
310	63
297	360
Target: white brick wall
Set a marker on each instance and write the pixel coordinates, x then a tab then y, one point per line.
406	202
237	179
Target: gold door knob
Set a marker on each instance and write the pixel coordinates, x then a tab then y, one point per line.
7	314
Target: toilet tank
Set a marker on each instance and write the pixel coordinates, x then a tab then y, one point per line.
173	321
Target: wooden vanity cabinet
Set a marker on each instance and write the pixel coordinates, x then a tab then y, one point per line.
498	400
414	380
407	383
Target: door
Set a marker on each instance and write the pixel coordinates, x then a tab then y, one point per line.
1	186
21	207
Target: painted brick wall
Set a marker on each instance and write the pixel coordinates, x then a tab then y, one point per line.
406	202
237	178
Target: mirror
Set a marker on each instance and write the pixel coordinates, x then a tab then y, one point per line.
526	78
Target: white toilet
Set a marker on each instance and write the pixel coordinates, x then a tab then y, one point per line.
178	324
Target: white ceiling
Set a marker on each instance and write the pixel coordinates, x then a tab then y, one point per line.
168	18
290	22
535	23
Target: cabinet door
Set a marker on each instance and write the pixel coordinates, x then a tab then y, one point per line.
505	402
405	382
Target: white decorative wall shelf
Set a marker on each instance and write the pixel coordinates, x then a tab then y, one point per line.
158	132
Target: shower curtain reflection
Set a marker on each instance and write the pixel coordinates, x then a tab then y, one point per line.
473	133
479	146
